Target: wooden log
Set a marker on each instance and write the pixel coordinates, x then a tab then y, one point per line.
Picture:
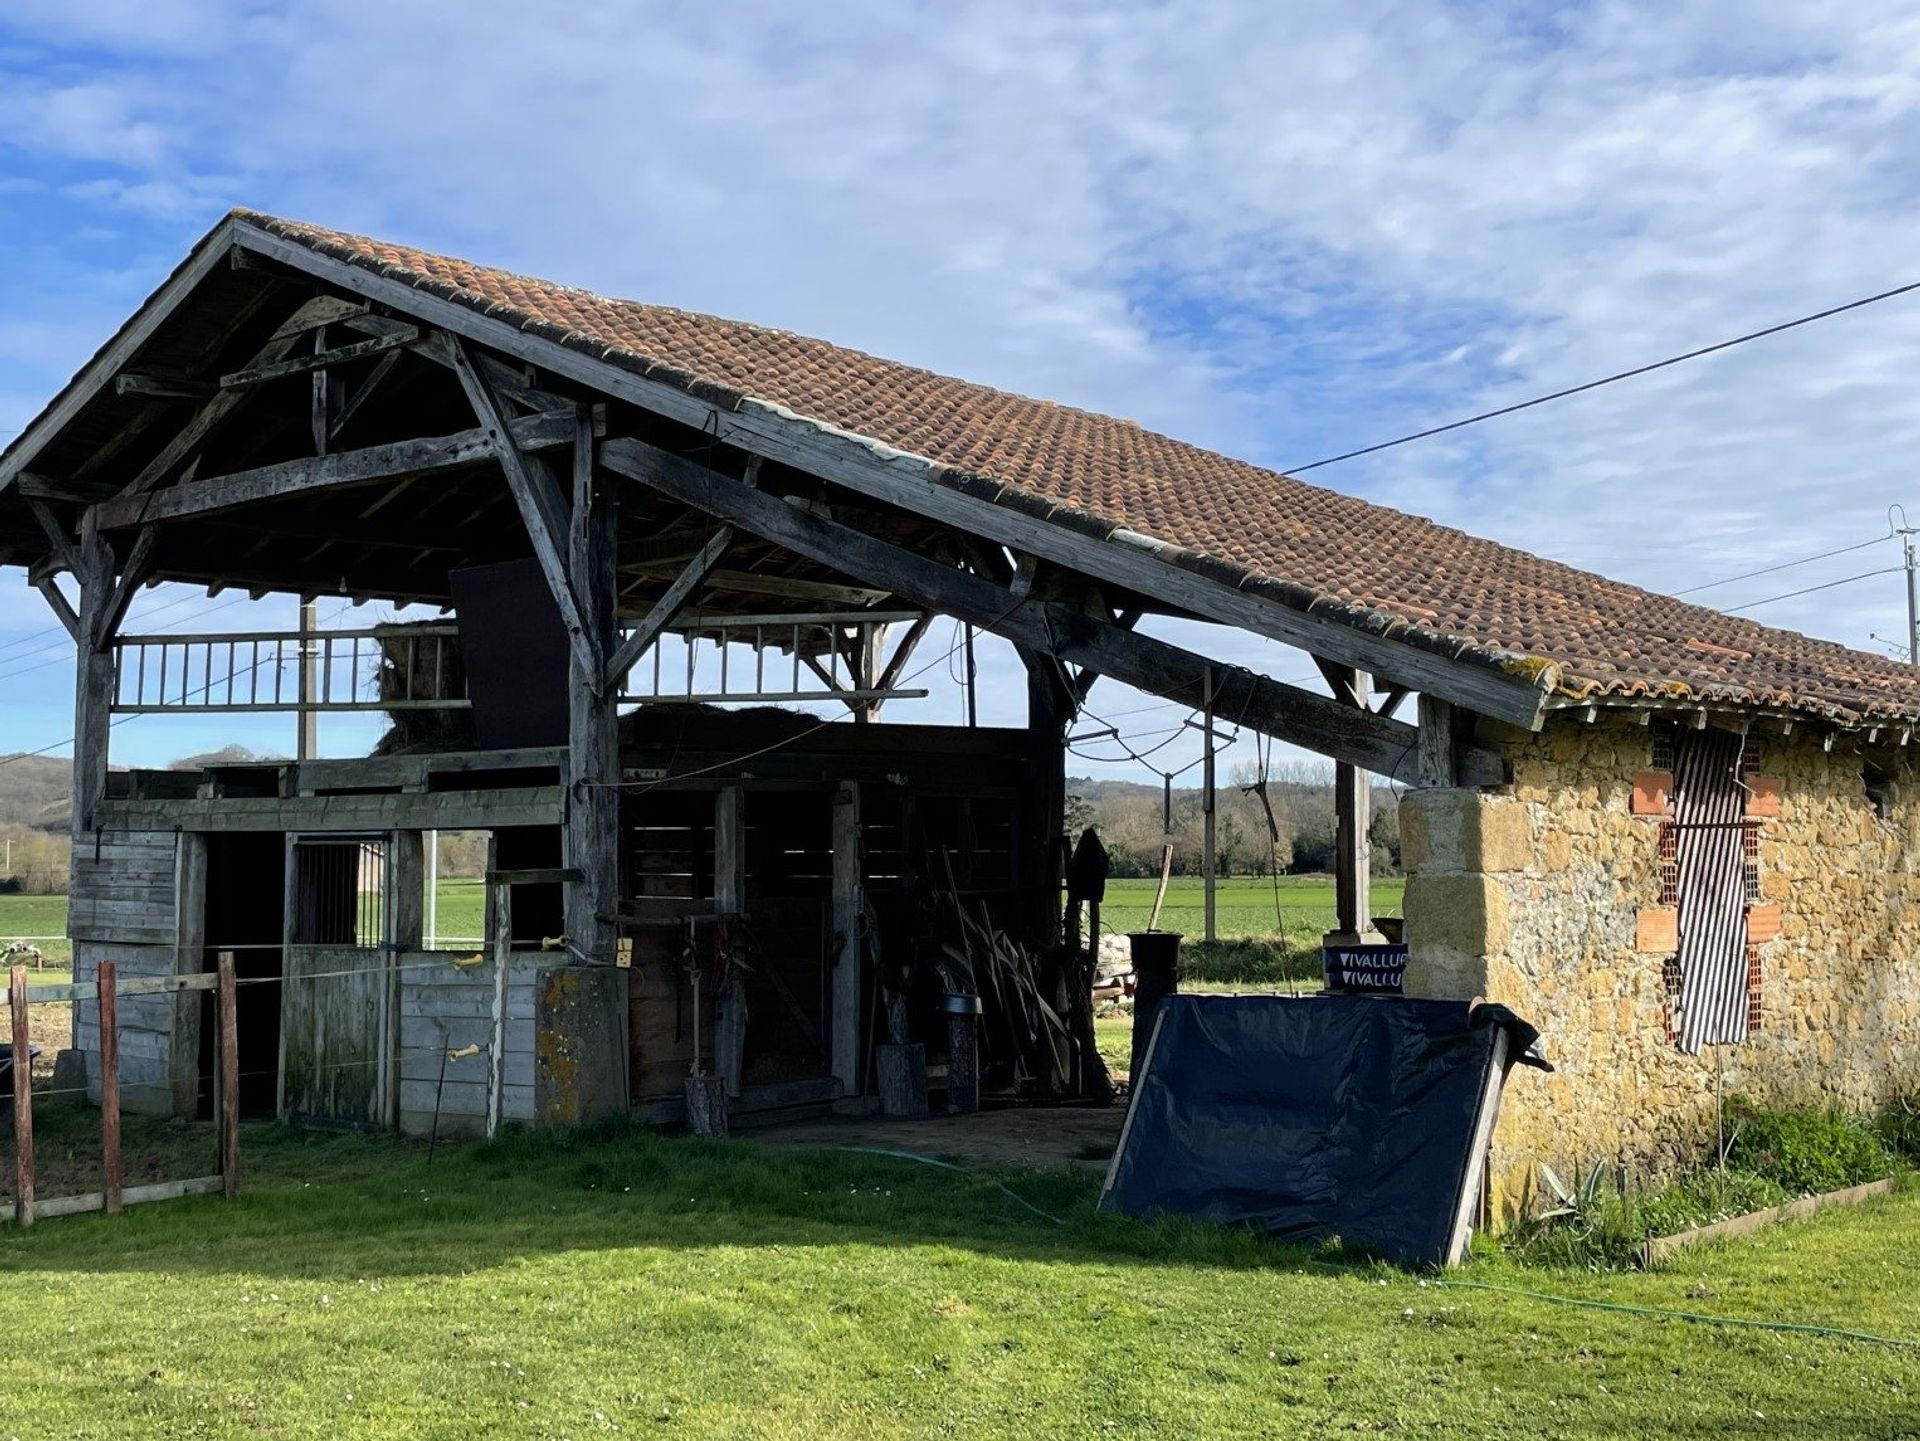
109	1089
229	1079
963	1064
902	1072
22	1078
706	1105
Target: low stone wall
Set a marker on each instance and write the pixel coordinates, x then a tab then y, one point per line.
1545	895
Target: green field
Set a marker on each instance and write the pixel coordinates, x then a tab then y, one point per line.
1245	909
633	1284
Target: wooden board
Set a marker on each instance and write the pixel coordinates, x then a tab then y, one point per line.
330	1025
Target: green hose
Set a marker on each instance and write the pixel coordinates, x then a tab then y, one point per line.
947	1166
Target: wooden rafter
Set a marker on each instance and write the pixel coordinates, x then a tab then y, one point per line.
346	467
668	606
543	509
1044	628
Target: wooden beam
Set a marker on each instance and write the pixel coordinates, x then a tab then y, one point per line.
1352	817
1438	744
657	619
730	899
160	386
346	467
845	990
57	602
67	491
133	575
406	336
348	408
543	510
195	432
56	534
592	835
1383	746
913	483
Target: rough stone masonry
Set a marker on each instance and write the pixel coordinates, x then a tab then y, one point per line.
1547	895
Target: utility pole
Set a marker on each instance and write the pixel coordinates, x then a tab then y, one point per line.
307	743
1913	602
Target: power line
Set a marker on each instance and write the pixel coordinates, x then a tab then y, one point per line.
1846	580
1784	565
1608	379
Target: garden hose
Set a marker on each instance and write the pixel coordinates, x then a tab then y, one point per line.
948	1166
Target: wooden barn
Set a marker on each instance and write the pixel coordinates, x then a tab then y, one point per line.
691	876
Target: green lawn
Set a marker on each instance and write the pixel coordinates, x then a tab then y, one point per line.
572	1287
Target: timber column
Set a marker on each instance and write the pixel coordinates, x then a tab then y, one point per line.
1044	813
580	1029
93	689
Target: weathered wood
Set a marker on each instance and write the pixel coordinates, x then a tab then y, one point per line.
339	414
706	1105
64	551
57	602
543	510
109	1089
963	1064
845	989
729	898
592	836
22	1078
406	336
160	386
90	1201
427	456
502	922
438	810
656	620
901	1075
229	1077
93	679
1352	818
1378	744
912	482
194	434
1658	1248
1435	765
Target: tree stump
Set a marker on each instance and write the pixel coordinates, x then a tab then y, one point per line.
903	1080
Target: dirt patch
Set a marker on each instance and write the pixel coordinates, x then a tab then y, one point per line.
66	1151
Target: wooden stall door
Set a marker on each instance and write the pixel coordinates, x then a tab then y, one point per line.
332	1024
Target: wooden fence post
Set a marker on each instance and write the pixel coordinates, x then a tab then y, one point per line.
109	1090
22	1077
229	1081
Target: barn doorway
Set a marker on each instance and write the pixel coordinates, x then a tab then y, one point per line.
246	897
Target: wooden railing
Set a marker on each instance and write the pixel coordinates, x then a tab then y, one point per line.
261	671
835	655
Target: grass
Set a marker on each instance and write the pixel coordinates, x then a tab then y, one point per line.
550	1286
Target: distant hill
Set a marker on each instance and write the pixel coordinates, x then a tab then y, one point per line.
33	791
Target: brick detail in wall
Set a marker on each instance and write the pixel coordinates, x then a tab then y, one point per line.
1653	793
1763	924
1763	797
1656	930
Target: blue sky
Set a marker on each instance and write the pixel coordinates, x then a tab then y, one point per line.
1276	231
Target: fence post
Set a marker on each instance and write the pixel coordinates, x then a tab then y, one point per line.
109	1089
229	1081
22	1076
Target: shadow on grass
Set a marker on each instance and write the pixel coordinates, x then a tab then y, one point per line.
319	1205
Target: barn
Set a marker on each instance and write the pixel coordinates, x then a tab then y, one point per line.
1680	842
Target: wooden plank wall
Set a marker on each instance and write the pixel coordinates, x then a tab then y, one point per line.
443	1009
123	888
330	1028
146	1024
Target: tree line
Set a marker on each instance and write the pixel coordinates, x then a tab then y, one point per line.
1131	820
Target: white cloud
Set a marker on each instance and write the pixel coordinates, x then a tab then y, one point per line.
1281	231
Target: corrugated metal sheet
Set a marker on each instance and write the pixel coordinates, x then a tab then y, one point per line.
1709	808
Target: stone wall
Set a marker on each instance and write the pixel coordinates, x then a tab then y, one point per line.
1545	895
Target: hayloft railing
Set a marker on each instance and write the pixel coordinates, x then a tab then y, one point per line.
261	671
831	655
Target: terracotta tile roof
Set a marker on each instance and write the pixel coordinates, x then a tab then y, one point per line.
1302	544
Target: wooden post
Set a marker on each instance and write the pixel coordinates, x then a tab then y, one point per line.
307	733
497	1033
1209	860
963	1062
729	899
848	921
22	1078
1044	858
1352	808
93	677
1436	745
229	1079
109	1089
592	839
404	901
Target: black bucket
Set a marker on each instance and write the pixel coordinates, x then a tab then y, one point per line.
1156	975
